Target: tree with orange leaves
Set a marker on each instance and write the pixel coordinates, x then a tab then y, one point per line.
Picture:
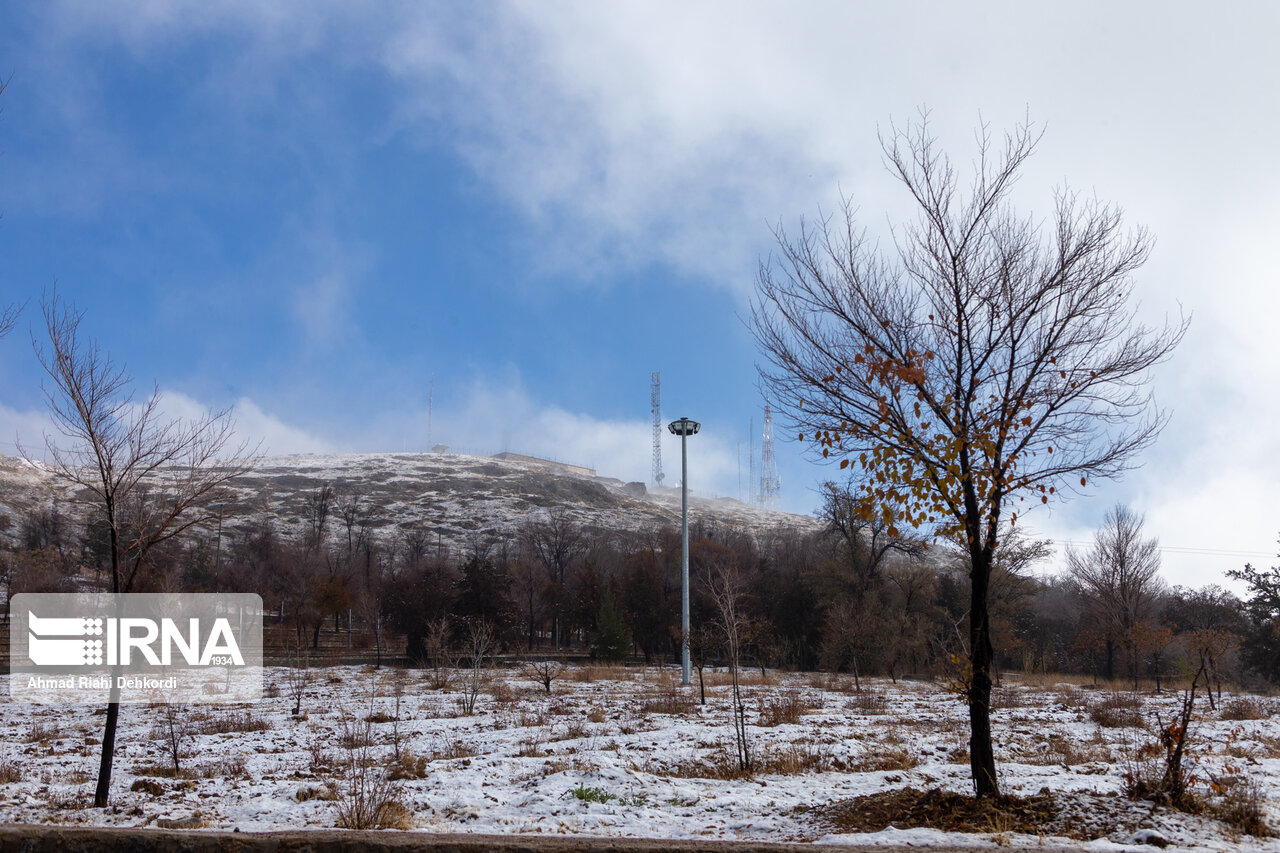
977	364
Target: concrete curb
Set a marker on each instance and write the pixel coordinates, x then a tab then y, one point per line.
48	839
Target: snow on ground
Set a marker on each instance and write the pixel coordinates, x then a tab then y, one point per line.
622	752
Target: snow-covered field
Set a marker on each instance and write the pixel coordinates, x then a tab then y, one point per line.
625	752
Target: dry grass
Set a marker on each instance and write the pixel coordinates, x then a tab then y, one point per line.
10	772
1244	708
786	707
573	730
594	673
41	733
883	760
868	703
410	765
329	793
669	701
1004	698
1062	750
746	677
503	693
1243	808
1118	711
793	760
226	768
229	722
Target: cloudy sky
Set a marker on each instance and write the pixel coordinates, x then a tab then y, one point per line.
336	216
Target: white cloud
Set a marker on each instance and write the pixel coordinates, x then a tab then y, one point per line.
495	418
253	427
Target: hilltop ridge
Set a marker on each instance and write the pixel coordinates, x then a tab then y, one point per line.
455	496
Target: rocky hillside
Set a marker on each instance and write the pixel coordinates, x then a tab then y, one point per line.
456	497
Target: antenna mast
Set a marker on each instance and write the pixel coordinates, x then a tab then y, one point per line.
769	484
655	400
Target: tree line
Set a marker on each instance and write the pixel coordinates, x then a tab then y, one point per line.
848	596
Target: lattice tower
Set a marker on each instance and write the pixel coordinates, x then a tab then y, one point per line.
655	399
770	487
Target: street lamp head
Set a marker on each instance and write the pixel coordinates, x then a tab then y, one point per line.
684	426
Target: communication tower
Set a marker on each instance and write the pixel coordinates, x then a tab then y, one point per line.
770	488
655	399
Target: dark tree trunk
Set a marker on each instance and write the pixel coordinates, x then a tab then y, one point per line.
108	751
982	761
113	705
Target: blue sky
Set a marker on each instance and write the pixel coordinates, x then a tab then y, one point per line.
308	210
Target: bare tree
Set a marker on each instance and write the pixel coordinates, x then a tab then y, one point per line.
728	588
974	365
1119	576
545	672
174	733
557	541
479	642
147	479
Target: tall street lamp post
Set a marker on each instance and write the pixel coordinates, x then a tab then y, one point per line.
684	428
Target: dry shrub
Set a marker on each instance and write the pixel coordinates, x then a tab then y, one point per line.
231	722
531	745
784	708
1003	698
668	701
1243	708
1270	745
1117	711
1243	808
572	731
883	760
868	703
503	693
355	736
164	771
595	672
530	719
453	749
41	733
829	681
372	802
793	760
9	773
226	768
368	798
328	794
721	764
147	786
409	765
1060	749
321	758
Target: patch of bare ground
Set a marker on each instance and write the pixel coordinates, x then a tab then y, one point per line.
1080	816
911	808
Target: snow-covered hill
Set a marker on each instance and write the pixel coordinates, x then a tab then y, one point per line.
455	497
